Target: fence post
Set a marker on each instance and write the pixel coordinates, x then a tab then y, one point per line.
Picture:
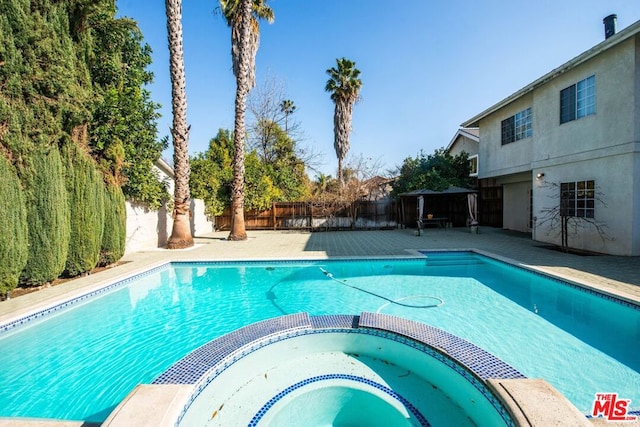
273	215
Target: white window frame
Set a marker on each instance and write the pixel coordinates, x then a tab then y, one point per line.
473	160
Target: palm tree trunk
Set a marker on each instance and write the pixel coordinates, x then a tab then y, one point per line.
341	129
238	231
181	232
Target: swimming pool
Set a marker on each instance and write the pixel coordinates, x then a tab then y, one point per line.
79	362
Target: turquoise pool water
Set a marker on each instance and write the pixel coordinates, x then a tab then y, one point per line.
79	363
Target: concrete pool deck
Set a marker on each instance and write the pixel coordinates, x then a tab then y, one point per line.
615	275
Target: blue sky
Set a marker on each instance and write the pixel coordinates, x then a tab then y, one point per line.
426	66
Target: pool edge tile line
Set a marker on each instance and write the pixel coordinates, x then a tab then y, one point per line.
618	297
65	301
479	361
192	368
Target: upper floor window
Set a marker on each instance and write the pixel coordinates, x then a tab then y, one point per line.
517	127
578	199
578	100
473	163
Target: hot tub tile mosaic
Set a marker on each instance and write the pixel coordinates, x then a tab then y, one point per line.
205	364
335	321
196	364
271	402
480	362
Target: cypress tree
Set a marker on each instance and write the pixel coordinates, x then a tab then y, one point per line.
47	218
115	226
86	204
13	222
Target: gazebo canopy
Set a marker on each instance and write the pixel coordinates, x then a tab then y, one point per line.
453	205
426	192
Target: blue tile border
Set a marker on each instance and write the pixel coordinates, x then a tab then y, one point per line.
191	368
480	362
6	327
267	406
202	366
564	282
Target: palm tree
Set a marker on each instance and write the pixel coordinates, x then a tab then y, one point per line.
231	12
287	107
242	16
181	232
344	86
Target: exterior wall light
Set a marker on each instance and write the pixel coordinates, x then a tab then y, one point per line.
540	175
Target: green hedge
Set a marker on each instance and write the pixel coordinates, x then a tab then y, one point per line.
13	220
47	218
115	226
86	202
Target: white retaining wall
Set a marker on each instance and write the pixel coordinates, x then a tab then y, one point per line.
150	229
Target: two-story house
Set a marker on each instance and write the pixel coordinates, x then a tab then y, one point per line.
567	146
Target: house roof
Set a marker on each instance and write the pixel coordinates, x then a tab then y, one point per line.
612	41
427	192
471	133
165	167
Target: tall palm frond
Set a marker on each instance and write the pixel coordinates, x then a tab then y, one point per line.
259	11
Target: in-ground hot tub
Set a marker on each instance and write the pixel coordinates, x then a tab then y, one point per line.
372	369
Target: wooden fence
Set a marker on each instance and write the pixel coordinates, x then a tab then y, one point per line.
316	216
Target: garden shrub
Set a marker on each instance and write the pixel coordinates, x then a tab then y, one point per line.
86	202
115	226
47	217
13	223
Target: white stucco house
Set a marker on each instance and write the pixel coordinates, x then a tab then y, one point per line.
570	142
466	140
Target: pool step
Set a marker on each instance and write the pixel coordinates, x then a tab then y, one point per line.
452	260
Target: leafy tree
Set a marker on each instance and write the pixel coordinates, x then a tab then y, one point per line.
270	113
212	173
324	184
260	190
242	16
344	85
13	220
123	129
73	75
436	171
72	71
281	179
286	169
181	233
45	93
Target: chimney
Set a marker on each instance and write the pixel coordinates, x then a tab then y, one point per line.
610	25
